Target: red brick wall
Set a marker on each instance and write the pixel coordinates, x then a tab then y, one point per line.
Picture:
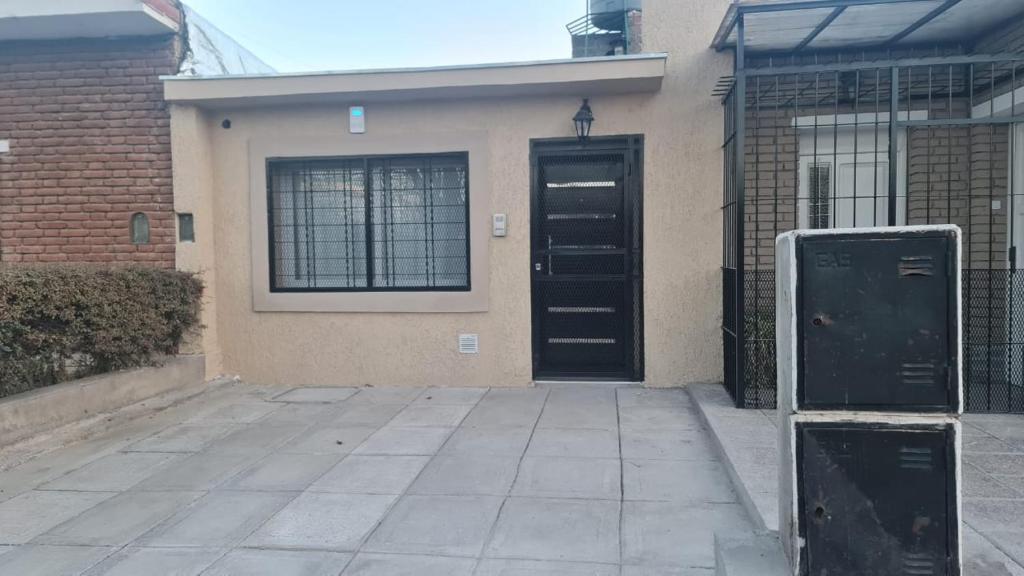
90	146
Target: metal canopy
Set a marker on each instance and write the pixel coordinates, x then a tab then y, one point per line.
794	25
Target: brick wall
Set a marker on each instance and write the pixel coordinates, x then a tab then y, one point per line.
953	173
89	146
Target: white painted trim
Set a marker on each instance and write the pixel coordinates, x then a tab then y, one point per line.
862	119
1000	105
827	152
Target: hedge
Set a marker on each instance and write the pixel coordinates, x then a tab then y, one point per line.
68	321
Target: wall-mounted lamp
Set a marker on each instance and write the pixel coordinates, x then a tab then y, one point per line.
584	119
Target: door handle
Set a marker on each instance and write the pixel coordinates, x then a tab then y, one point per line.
537	266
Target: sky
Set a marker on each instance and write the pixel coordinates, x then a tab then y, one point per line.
307	35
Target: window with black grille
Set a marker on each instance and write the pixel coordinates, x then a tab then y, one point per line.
820	194
377	223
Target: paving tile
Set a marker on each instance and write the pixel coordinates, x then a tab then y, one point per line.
219	519
360	415
549	529
371	475
543	568
492	441
665	571
440	416
235	413
112	473
567	443
368	564
52	560
580	408
676	481
26	516
636	397
658	418
995	515
982	443
507	408
673	534
589	478
247	562
467	474
49	466
337	522
432	396
156	562
1011	543
259	438
666	445
388	395
1003	464
328	440
982	558
119	520
404	441
979	484
315	395
304	413
281	472
438	525
200	471
181	438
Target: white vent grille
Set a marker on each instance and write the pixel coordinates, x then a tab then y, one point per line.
469	344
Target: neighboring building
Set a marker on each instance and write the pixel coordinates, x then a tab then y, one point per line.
811	110
85	145
609	28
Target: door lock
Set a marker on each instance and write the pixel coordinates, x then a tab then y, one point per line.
537	266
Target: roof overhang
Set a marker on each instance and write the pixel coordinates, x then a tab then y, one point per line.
577	77
59	19
794	25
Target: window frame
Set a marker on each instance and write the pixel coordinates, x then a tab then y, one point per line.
463	155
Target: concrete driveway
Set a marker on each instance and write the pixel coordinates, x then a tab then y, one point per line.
247	480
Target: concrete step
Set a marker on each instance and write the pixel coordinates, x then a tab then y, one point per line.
750	556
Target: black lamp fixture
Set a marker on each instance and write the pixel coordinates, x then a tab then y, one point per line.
583	119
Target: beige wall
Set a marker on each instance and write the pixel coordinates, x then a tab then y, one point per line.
193	194
682	125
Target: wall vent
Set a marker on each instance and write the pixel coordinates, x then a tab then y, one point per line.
469	344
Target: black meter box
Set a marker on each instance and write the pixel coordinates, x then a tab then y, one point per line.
872	497
869	319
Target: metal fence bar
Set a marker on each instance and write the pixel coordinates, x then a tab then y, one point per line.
947	135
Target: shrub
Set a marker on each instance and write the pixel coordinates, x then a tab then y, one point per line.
67	321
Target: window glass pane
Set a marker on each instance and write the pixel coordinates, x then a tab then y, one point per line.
418	225
318	213
140	228
186	228
820	180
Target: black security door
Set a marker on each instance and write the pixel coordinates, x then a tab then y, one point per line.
586	259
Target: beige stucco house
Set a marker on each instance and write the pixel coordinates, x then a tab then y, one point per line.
446	226
279	187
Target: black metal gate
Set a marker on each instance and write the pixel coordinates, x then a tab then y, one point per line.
859	142
586	259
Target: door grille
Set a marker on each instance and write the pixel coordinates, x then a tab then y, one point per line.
586	251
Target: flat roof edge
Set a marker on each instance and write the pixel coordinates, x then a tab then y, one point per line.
449	68
606	75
